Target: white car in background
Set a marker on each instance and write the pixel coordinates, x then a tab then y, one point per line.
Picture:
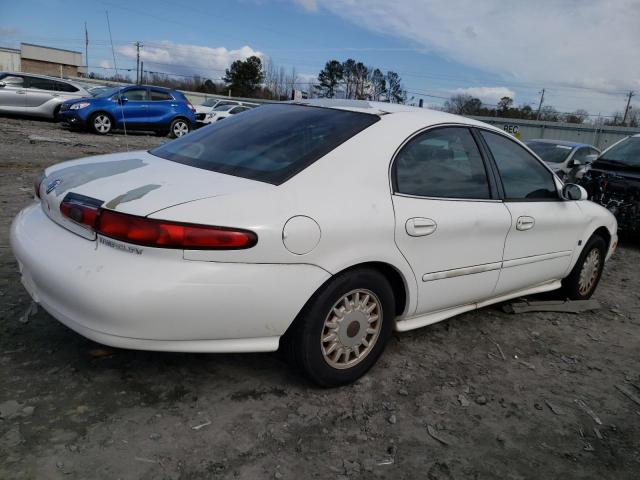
316	227
36	95
224	111
211	103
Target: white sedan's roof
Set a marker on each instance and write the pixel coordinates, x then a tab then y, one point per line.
428	116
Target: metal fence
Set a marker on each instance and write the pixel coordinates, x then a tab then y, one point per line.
597	135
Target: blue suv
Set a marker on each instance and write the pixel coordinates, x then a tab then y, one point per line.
134	108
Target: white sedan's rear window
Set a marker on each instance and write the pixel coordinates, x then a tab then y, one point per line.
270	143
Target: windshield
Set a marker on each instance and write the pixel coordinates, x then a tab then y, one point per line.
625	153
270	144
223	108
107	92
550	152
210	102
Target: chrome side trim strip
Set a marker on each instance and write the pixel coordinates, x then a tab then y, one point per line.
457	272
489	267
516	262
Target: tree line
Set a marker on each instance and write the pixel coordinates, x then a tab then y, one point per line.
254	78
354	80
465	104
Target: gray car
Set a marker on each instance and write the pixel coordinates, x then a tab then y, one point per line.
37	95
567	159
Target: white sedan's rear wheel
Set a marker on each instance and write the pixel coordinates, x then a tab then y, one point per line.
351	329
343	328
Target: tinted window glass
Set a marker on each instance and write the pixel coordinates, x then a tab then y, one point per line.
158	96
135	94
41	83
550	152
582	154
442	163
523	177
271	143
623	154
65	87
13	81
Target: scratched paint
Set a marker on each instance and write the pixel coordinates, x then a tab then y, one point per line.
77	175
134	194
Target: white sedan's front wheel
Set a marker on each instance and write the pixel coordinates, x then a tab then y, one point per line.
584	278
343	329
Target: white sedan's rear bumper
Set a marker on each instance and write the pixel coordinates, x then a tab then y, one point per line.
156	300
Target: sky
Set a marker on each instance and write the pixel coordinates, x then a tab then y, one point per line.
584	53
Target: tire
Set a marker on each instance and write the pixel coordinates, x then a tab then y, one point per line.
584	278
179	127
100	123
326	314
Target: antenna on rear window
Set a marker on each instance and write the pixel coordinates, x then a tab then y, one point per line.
115	67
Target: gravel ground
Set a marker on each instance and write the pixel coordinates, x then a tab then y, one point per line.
485	395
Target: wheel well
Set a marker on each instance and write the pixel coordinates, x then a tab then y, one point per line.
394	278
604	233
102	112
180	117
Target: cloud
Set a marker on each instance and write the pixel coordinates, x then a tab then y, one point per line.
169	57
488	94
310	5
577	43
105	64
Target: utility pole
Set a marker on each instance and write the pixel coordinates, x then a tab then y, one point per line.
142	72
138	46
86	48
540	106
626	109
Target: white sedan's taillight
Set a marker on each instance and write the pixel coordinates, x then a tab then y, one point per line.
157	233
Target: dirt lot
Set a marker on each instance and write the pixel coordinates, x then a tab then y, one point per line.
443	402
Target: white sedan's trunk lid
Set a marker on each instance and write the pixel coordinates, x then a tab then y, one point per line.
136	183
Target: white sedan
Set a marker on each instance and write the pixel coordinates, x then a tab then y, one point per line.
315	227
224	111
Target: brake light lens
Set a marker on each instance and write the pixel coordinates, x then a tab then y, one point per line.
86	211
85	215
191	107
160	233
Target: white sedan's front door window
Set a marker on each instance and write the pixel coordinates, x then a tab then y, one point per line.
544	228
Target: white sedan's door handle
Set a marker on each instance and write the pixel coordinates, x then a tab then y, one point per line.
525	223
419	227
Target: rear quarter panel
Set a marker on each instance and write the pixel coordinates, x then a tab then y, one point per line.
347	193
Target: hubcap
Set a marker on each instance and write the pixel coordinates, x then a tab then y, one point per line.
351	329
589	272
180	129
102	123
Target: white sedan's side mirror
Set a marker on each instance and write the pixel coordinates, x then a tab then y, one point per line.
571	191
2	84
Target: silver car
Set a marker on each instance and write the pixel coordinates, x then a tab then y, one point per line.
568	160
37	95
